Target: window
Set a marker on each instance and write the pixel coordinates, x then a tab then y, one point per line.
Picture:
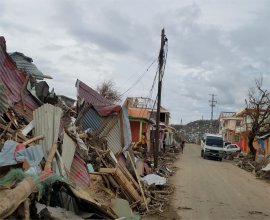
236	138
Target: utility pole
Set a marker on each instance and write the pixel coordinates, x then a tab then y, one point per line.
212	104
160	76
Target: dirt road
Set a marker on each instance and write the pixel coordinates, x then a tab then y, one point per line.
209	189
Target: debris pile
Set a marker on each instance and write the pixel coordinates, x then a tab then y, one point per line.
60	161
261	168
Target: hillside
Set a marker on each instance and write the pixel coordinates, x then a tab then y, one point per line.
194	130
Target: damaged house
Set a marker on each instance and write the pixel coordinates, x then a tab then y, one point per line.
60	162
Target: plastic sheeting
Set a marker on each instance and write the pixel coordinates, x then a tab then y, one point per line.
153	178
32	154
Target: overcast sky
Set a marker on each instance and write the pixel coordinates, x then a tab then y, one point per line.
214	47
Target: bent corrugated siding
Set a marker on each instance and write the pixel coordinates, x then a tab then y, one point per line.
3	100
47	122
126	128
78	172
13	80
91	120
112	133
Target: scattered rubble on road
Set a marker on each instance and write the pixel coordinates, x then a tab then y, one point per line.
57	161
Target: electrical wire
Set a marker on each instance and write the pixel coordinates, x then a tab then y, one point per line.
139	79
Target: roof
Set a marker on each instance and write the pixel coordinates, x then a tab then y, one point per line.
247	111
227	114
144	103
12	80
264	136
103	106
25	64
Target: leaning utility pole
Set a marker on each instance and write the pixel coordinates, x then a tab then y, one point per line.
160	76
212	105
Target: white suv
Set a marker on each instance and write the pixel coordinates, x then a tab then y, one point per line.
212	146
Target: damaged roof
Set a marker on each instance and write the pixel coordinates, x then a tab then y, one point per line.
13	80
103	106
25	64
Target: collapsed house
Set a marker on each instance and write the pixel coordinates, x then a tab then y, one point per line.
60	161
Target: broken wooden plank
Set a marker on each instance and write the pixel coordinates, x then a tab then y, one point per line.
13	132
37	138
128	175
139	181
51	154
124	183
107	170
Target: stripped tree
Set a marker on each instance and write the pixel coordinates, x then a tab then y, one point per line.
258	109
108	90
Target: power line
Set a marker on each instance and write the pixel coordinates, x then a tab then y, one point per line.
139	78
154	81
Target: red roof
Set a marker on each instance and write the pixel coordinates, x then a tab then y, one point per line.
13	80
103	106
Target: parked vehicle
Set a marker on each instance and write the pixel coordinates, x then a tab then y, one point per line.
212	146
232	148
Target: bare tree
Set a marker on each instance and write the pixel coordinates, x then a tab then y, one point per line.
107	89
258	108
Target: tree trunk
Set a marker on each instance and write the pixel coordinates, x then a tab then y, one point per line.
250	145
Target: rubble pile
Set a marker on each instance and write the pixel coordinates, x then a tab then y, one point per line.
261	168
59	161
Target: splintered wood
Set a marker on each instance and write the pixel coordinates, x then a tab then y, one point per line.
124	182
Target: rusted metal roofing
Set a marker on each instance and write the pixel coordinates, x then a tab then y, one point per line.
25	64
3	100
47	122
78	171
12	80
102	105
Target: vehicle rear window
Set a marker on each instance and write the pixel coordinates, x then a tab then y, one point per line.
214	141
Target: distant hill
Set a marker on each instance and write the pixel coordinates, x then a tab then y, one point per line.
193	131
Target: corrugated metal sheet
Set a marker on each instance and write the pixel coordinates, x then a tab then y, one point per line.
78	172
90	95
102	105
126	128
12	80
47	122
90	119
112	133
68	151
25	64
3	100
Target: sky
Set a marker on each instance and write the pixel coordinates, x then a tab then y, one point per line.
214	47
